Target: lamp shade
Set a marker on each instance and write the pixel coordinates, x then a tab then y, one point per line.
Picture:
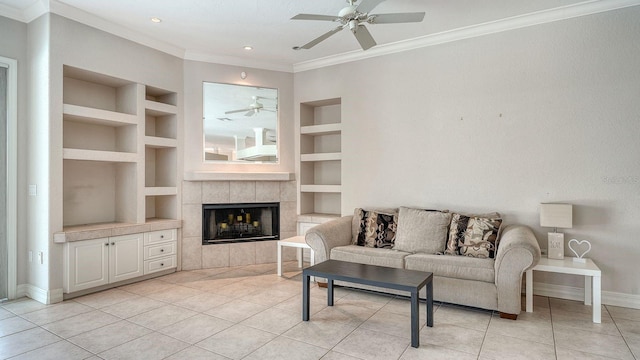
556	215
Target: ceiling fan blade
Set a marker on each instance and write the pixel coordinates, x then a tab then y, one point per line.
250	113
319	39
315	17
396	18
364	37
368	5
237	111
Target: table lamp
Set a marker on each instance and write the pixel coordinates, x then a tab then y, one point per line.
556	216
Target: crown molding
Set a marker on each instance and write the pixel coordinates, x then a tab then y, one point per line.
34	11
99	23
11	13
492	27
27	15
237	61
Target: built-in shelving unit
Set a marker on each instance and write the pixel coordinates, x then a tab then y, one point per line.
120	180
119	151
320	159
160	153
100	155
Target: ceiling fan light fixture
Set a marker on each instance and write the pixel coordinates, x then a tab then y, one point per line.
353	26
248	48
347	11
156	20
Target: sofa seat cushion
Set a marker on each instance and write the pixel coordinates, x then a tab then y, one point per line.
370	256
458	267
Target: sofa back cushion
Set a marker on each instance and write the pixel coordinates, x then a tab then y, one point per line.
374	228
423	231
474	236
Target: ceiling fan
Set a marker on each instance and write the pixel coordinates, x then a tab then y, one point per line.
354	17
254	108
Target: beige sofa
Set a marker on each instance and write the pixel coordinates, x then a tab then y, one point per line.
488	283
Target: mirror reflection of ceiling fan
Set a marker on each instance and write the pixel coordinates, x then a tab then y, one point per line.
254	108
354	17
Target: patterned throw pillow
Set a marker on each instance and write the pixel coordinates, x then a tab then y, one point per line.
473	236
376	229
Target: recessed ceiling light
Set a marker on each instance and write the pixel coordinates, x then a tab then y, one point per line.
156	19
248	47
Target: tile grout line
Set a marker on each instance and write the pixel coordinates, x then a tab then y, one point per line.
624	338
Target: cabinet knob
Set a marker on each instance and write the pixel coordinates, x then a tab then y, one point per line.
106	244
113	243
161	264
161	250
161	236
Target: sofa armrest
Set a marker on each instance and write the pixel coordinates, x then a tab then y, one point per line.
324	237
518	251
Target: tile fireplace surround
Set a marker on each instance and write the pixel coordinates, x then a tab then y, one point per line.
195	193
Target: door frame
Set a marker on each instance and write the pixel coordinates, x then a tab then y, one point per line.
12	174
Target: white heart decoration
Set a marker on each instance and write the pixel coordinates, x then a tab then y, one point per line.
579	243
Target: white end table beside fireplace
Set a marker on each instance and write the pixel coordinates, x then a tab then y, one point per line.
296	242
592	280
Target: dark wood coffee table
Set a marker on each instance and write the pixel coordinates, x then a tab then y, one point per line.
399	279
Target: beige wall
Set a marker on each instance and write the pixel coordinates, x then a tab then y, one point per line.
503	122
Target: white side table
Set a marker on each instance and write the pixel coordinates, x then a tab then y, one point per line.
297	242
592	280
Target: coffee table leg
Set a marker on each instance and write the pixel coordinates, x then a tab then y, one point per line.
305	297
415	320
330	292
430	304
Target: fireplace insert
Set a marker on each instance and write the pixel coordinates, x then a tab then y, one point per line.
241	222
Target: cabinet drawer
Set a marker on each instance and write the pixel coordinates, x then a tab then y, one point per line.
160	236
151	266
155	251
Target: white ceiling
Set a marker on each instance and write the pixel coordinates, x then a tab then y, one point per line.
217	30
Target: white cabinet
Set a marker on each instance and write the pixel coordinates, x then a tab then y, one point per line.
125	254
92	263
87	264
320	158
160	250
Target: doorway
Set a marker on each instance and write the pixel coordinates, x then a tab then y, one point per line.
8	178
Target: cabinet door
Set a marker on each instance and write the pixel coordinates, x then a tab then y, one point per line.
88	264
125	257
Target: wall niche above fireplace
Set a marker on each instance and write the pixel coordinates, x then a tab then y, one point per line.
240	222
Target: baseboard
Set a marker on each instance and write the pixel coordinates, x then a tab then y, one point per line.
575	293
38	294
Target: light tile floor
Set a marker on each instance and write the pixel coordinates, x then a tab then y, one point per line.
251	313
